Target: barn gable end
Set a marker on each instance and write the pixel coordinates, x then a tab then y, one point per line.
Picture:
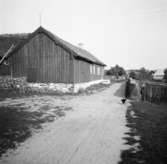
41	60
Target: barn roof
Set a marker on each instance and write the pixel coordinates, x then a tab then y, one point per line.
79	52
20	39
6	40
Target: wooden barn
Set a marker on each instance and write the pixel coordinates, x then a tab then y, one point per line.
42	57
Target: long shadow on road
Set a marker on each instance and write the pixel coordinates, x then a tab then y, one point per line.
17	123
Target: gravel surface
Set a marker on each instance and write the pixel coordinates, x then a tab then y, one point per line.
91	133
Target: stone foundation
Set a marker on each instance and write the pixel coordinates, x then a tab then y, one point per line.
65	88
83	86
21	86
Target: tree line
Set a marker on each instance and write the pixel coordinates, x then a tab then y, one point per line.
140	74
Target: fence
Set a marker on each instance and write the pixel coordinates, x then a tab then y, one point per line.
154	92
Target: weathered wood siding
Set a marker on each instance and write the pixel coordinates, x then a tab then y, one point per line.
154	92
4	70
41	60
83	73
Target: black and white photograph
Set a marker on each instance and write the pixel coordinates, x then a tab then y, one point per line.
83	81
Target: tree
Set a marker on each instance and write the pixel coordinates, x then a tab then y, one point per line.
165	75
110	72
145	74
133	75
120	71
142	73
116	71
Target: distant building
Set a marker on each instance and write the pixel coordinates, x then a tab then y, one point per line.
43	57
159	74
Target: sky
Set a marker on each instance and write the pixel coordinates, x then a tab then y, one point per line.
130	33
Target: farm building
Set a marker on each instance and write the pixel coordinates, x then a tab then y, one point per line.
42	57
159	74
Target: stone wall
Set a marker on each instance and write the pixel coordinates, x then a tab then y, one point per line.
12	87
13	83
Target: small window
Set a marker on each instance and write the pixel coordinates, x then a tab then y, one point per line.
94	69
98	70
91	69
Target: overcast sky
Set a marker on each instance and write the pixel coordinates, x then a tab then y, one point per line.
131	33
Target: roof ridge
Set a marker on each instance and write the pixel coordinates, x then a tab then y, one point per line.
80	52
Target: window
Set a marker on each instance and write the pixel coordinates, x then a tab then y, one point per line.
91	69
98	70
94	69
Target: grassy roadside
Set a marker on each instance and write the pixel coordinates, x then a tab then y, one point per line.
147	136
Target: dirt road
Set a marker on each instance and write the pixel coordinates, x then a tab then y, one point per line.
89	134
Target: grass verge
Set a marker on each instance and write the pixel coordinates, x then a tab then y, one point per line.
147	136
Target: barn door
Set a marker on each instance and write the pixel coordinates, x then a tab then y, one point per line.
32	75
